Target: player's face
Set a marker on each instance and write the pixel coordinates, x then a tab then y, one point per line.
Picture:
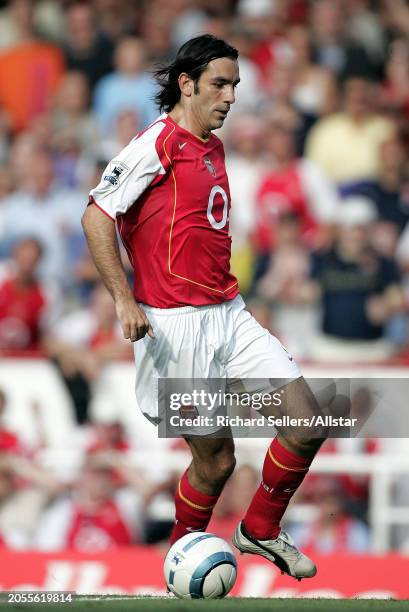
215	93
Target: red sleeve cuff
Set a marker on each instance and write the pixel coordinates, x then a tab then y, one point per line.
93	201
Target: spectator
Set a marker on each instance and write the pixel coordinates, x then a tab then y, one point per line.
95	158
402	257
39	67
116	18
23	148
333	530
356	487
395	17
245	164
107	437
71	114
252	94
266	20
187	20
16	23
281	108
390	194
155	30
25	491
22	17
360	291
83	342
126	128
358	131
95	327
6	187
332	48
96	516
9	441
73	129
6	182
284	286
26	306
293	185
395	87
314	92
40	208
86	49
128	88
365	29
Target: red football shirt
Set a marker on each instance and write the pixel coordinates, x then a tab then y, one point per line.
169	193
100	530
282	192
21	312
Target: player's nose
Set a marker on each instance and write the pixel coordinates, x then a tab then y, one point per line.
229	96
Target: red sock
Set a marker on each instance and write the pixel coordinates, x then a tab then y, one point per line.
283	472
193	509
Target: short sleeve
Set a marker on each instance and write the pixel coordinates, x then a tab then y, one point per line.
128	175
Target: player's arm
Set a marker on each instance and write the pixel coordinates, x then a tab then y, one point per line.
122	183
100	232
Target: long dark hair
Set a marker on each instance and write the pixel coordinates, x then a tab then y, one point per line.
191	58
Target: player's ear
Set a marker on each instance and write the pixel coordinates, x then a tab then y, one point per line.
186	84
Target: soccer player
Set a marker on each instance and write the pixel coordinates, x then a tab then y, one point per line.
169	195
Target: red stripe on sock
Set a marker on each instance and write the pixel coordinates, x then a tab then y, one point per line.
194	496
193	509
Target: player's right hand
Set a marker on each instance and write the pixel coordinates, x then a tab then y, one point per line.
134	322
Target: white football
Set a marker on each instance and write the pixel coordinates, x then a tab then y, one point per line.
200	566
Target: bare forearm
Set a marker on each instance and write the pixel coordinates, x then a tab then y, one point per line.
103	245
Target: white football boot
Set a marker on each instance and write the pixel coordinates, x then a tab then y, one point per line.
282	552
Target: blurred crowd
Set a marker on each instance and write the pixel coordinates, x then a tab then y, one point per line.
108	501
316	152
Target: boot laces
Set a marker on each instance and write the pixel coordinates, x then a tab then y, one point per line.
286	544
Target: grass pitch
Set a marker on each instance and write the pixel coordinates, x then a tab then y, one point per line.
231	604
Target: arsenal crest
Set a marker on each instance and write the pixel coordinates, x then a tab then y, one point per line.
209	166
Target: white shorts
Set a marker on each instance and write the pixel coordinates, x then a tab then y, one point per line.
222	341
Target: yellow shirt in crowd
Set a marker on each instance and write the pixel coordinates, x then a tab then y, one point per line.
347	150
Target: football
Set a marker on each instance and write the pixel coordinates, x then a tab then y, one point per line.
200	566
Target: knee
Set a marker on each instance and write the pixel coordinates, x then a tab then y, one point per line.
306	447
226	465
